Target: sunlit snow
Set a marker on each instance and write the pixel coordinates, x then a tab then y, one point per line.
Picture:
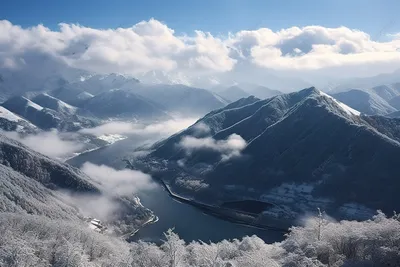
346	108
111	138
8	115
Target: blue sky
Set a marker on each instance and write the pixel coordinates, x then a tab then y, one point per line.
216	16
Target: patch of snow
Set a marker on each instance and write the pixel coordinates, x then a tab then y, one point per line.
33	105
96	225
63	105
84	95
111	138
68	107
93	227
346	108
8	115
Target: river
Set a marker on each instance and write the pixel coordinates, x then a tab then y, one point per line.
188	221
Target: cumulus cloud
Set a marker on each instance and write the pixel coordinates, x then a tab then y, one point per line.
231	147
153	46
48	143
165	128
118	182
146	46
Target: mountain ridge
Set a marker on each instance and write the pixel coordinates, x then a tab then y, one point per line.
306	137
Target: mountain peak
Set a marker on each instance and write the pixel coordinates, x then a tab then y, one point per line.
314	92
344	107
309	91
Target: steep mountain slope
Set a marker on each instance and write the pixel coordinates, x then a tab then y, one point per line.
35	184
21	194
78	92
48	172
71	95
386	92
302	150
60	116
36	114
395	114
367	103
182	99
12	122
124	103
55	104
395	102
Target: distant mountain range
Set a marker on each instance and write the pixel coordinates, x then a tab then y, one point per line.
366	82
378	100
368	103
236	92
296	151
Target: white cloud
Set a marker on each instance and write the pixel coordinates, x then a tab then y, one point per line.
201	128
165	128
48	143
231	147
322	47
152	45
148	45
113	184
118	182
101	207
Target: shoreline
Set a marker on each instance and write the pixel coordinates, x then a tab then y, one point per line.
226	214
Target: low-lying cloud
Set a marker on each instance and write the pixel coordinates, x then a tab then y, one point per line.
48	143
118	182
231	147
161	129
102	207
113	184
201	128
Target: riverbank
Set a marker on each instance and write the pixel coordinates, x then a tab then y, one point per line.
190	221
234	216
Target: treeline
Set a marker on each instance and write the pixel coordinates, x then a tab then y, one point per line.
29	240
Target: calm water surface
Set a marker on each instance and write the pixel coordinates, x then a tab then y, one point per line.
189	222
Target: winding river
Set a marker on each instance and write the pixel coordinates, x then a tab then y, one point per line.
188	221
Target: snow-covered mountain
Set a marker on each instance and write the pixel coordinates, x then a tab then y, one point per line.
296	151
11	122
186	100
96	84
368	82
60	116
31	183
376	100
120	103
71	94
242	74
368	103
55	104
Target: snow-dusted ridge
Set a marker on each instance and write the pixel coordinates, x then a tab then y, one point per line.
33	105
346	108
8	115
62	104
